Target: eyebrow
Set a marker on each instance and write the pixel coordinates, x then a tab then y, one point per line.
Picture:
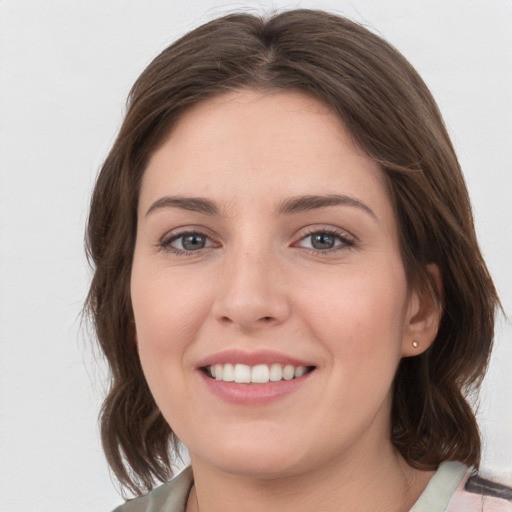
194	204
289	206
307	203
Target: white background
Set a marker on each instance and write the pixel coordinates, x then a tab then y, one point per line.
65	70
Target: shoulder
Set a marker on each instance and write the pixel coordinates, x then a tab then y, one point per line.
169	497
478	494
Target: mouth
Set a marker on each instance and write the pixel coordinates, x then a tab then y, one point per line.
258	374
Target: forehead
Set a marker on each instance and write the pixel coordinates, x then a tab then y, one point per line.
259	121
241	144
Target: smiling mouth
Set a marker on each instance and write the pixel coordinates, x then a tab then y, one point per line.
258	374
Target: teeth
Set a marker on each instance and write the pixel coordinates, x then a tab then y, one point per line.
276	372
259	374
300	371
288	372
228	374
242	373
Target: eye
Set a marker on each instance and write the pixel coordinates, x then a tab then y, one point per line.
186	243
322	241
190	242
326	240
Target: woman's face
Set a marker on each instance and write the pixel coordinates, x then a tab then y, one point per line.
267	247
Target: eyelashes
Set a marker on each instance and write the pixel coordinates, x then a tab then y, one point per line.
187	242
316	240
325	240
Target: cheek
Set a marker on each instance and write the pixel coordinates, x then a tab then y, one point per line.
361	324
168	313
165	323
167	309
360	316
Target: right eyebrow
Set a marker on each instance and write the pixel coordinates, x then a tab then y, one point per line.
312	202
194	204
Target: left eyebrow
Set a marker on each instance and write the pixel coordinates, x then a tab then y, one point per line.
194	204
306	203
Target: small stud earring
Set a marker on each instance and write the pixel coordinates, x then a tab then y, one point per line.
415	344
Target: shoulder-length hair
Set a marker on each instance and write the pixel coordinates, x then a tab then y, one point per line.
392	116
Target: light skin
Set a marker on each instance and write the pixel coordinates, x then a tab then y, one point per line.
262	227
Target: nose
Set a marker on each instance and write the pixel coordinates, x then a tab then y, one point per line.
252	292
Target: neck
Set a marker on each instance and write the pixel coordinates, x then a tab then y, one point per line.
359	482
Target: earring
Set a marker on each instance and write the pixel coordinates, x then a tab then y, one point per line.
415	344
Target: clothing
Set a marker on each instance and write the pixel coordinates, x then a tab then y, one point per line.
451	489
169	497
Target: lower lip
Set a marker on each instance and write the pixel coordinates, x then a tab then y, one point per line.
253	394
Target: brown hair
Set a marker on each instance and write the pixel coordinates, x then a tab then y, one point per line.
394	119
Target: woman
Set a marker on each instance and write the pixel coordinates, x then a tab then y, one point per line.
287	278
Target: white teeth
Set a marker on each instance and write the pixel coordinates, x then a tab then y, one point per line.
259	374
242	373
229	373
299	371
276	372
288	372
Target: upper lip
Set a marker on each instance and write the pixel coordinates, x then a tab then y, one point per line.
234	356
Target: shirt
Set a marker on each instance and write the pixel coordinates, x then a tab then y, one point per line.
453	488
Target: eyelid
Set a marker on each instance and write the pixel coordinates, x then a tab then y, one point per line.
164	243
348	240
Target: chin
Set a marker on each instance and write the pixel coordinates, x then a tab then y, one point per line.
254	466
254	458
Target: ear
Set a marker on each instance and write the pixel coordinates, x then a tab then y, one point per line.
424	315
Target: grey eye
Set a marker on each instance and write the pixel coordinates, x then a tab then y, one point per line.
192	242
187	242
322	241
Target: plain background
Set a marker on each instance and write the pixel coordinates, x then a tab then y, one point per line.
65	71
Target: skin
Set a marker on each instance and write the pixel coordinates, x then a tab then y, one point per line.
259	284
